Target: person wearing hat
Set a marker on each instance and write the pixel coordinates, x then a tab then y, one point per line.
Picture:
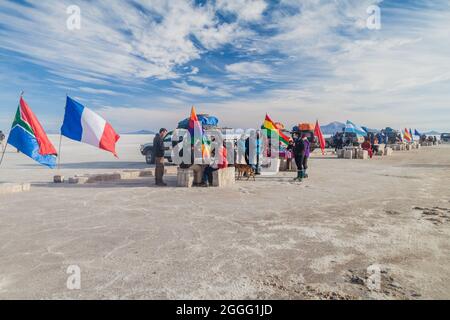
158	151
307	145
299	155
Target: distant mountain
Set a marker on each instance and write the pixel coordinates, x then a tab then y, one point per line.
333	127
141	132
433	133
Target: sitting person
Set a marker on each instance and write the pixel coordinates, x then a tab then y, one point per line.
219	162
197	168
367	146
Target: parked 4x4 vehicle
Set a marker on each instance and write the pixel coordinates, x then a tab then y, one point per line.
445	137
147	149
178	135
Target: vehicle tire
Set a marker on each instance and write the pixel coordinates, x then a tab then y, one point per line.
149	157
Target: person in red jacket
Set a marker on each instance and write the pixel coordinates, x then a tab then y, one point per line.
367	146
219	162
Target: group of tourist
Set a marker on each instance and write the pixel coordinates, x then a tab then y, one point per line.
299	149
206	171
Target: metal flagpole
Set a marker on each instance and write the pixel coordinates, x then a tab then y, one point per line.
59	151
60	141
3	153
6	145
59	178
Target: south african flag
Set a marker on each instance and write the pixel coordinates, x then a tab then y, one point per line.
28	136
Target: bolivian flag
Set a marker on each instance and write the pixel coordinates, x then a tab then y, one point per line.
272	127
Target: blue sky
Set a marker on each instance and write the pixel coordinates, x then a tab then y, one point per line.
142	64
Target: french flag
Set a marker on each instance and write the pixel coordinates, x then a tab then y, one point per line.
84	125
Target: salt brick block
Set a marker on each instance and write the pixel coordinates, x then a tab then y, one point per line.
170	170
348	154
283	165
146	173
6	188
388	152
78	180
104	177
58	179
128	175
363	154
185	178
224	177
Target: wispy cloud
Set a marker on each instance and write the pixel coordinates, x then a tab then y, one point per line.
248	70
98	91
299	60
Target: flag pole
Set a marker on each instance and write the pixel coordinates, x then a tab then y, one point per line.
59	178
3	153
60	144
59	151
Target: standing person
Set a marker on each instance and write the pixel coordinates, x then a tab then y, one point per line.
158	151
299	154
289	155
307	154
253	150
339	141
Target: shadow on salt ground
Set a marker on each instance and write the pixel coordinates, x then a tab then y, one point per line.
427	166
102	165
325	158
135	183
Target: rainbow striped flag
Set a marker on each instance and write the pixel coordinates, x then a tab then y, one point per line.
196	130
272	127
407	135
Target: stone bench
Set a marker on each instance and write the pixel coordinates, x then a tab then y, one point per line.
224	177
388	151
397	147
284	165
7	188
362	154
348	154
186	178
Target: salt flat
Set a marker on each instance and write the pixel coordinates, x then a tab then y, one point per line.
266	239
